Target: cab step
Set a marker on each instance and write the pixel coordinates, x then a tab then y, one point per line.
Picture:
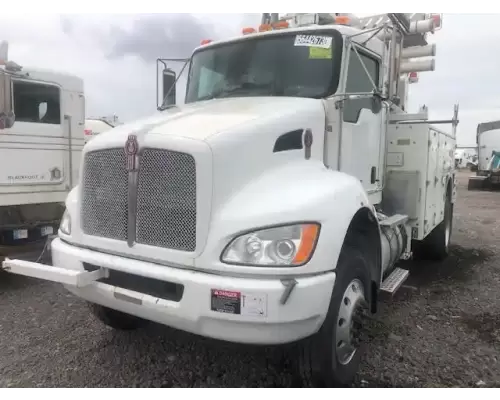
395	280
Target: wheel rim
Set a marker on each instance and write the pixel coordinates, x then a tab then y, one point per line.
348	322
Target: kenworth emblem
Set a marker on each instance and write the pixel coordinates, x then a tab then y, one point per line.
131	149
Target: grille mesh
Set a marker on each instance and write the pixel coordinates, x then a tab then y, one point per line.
105	191
166	200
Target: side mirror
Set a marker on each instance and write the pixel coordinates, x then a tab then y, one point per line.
169	78
7	117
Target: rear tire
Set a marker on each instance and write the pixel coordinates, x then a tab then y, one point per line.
331	357
436	246
116	319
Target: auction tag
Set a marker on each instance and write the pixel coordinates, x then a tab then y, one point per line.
20	234
238	303
320	53
313	41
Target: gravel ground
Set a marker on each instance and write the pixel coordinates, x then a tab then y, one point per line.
442	329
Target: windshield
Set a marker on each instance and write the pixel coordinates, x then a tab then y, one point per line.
296	65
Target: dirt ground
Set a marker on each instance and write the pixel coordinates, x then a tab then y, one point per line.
442	329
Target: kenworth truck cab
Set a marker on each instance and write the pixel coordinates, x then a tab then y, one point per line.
274	205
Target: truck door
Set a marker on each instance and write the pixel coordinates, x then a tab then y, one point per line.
362	136
32	152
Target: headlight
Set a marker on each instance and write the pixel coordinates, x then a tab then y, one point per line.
65	226
291	245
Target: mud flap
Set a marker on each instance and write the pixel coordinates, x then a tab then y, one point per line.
54	274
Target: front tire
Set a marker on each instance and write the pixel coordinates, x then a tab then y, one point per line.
331	357
116	319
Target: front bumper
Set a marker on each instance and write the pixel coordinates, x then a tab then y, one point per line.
254	312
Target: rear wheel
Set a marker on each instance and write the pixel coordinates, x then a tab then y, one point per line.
436	246
331	357
116	319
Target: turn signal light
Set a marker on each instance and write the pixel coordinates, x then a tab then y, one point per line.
342	20
206	41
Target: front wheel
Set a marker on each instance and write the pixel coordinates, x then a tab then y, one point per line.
331	357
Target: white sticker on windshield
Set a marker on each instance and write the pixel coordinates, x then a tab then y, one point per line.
313	41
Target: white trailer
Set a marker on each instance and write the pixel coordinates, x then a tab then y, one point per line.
488	148
274	205
39	153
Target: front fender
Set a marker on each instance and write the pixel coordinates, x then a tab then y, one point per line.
301	191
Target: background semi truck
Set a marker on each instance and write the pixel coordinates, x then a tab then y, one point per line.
488	148
39	154
274	206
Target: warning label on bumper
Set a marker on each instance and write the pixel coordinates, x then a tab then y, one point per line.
226	302
245	304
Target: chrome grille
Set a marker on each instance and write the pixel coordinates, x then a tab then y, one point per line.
166	200
105	191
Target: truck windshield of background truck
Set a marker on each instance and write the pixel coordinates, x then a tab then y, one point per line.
295	65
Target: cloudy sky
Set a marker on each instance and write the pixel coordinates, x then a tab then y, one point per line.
116	56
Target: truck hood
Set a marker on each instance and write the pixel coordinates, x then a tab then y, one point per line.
204	120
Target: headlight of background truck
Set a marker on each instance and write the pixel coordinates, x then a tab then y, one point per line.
286	246
65	226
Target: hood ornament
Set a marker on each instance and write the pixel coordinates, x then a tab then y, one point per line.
131	150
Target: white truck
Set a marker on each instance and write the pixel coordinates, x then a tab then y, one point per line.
97	125
39	153
274	205
466	157
488	149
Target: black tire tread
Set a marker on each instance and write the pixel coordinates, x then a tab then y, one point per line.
310	351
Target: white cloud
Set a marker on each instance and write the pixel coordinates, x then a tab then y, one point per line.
115	55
